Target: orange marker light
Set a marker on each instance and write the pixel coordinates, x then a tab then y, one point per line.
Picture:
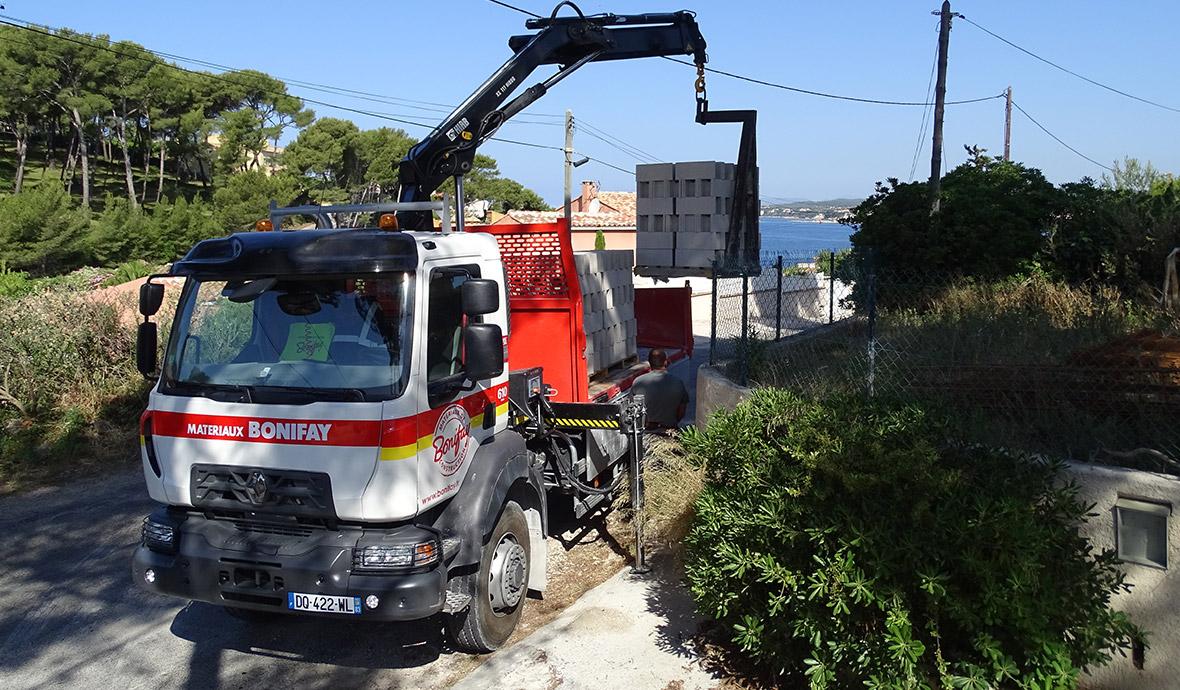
387	221
264	225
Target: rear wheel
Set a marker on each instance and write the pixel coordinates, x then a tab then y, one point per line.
497	589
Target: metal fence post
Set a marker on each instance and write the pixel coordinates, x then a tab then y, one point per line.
872	328
831	286
745	358
778	299
713	321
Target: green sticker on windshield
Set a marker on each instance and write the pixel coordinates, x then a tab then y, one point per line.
308	341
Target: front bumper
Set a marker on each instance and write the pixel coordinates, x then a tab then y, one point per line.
219	563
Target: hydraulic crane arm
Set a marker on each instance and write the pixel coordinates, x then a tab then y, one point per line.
567	41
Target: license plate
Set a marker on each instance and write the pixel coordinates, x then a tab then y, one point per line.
324	603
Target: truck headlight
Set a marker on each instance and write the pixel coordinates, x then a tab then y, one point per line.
158	536
395	556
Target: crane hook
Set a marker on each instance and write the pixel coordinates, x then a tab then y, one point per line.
700	83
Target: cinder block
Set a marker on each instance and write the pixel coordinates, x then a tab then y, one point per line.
653	206
656	223
655	171
632	346
697	169
699	240
696	258
593	321
653	240
587	262
698	205
654	257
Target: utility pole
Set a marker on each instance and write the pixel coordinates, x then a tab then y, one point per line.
1008	125
569	167
944	39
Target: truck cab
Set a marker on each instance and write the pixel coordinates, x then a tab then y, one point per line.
323	396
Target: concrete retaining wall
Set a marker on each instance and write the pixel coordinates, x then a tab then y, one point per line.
716	393
1154	600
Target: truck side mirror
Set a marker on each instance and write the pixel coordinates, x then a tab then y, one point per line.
483	348
145	348
151	296
480	296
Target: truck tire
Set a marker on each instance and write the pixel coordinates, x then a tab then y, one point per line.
497	589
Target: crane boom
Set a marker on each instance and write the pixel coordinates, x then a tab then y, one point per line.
567	41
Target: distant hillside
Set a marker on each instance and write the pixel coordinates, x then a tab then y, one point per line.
830	210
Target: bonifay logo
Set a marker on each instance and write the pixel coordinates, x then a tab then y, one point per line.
452	439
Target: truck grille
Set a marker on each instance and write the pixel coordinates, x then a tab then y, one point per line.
262	490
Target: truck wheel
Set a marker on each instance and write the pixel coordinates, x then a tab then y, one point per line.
497	589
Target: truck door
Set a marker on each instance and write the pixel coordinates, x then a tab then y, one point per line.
453	420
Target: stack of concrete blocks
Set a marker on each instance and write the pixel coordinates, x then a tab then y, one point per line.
682	213
608	306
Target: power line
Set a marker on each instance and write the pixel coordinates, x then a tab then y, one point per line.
216	77
609	165
925	117
823	94
428	106
1067	70
641	159
621	142
514	8
1057	138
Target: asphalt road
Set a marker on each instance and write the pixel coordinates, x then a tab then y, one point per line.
71	617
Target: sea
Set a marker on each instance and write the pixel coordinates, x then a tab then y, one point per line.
801	238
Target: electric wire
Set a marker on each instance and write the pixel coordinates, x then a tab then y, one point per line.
823	94
427	106
1084	78
925	117
619	141
515	8
784	87
29	26
1057	138
641	159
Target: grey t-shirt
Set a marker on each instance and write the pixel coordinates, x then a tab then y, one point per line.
663	393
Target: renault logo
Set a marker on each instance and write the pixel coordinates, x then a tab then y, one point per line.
256	488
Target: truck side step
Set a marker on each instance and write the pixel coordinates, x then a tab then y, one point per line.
456	602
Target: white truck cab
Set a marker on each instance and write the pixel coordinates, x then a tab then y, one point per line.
330	433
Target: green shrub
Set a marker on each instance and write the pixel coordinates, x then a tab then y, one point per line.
128	271
846	544
41	230
15	283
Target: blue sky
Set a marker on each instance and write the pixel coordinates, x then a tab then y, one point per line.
808	147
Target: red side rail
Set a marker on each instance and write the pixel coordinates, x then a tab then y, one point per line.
663	318
545	326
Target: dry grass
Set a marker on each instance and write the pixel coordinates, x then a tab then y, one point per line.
672	481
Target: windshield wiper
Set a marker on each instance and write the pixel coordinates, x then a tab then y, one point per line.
338	394
208	390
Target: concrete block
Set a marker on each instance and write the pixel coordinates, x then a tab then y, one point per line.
653	240
698	169
655	171
699	240
654	257
696	258
632	346
656	223
712	205
704	222
593	321
587	262
662	205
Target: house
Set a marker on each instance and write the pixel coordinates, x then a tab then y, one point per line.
591	211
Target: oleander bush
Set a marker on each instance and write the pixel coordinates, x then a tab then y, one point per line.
848	542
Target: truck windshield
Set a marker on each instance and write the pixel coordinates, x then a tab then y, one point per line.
292	338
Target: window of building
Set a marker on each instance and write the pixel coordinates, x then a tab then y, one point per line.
1141	531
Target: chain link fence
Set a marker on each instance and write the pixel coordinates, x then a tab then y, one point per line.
790	294
1083	372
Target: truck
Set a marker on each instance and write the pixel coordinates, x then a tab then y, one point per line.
381	422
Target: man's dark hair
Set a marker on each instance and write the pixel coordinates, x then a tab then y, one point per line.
657	358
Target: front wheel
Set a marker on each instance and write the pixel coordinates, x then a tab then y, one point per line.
497	589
